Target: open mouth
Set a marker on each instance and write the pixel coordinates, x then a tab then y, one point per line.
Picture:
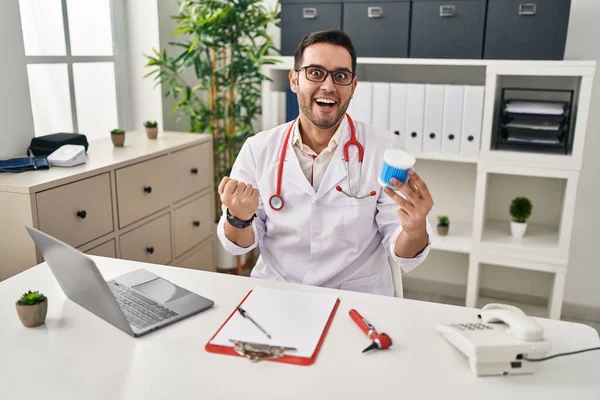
325	103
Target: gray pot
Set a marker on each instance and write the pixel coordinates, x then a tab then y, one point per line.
152	133
34	315
442	230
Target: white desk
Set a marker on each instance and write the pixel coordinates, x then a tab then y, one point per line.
76	355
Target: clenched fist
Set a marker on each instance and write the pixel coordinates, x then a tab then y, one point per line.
241	199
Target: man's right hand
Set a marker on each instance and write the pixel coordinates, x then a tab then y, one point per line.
241	199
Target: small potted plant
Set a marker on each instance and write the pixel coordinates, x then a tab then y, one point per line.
151	129
32	308
520	210
443	225
118	137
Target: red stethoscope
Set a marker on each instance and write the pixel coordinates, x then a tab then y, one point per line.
276	201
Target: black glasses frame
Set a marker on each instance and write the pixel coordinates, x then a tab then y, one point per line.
327	72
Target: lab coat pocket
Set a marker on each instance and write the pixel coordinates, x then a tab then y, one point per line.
369	284
359	219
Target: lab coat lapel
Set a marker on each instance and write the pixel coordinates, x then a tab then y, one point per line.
336	171
292	172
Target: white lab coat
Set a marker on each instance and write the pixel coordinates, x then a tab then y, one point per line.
322	238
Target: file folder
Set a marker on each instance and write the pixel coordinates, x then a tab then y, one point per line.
453	112
397	107
381	105
297	322
434	113
472	121
362	102
415	108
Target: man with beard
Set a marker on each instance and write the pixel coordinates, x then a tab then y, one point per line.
290	192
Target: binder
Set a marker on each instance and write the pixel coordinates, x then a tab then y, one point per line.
297	322
381	103
362	102
434	113
397	110
453	114
472	121
415	108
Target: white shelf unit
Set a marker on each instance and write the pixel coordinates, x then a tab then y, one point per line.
475	192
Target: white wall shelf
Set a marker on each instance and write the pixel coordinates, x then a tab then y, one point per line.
475	190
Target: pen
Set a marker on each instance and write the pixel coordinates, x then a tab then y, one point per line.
245	315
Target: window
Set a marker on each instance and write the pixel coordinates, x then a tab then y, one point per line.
73	65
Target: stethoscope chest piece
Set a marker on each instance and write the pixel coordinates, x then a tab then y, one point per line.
276	202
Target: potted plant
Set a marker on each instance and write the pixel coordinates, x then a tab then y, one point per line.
151	129
32	308
226	55
118	137
443	225
520	210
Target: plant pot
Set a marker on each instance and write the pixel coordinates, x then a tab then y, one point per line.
118	139
517	229
442	230
152	133
34	315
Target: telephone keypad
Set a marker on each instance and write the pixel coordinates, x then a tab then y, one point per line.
472	327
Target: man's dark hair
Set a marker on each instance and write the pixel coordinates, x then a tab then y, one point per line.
332	36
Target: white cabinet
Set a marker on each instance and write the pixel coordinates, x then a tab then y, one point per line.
151	200
472	182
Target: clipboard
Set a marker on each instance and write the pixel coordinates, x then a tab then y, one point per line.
279	348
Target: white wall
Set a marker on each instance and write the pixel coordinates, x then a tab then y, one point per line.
142	36
583	277
15	105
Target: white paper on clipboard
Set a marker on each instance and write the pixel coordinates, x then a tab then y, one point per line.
292	318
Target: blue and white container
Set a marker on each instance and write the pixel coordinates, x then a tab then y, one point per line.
396	164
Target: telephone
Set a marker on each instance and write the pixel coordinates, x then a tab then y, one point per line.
498	342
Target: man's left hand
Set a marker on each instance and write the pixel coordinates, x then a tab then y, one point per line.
416	205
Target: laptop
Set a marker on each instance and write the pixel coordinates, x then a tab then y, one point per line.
138	302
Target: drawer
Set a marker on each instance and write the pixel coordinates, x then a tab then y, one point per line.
300	19
378	29
192	170
202	258
78	212
447	29
527	29
107	249
150	242
142	189
194	223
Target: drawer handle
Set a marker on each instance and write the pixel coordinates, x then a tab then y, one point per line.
194	171
196	223
451	136
432	135
397	133
414	134
309	13
81	214
150	250
527	9
447	11
148	189
470	138
375	12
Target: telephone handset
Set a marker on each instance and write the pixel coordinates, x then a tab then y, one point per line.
521	326
497	342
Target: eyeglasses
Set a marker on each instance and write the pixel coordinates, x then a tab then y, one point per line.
318	74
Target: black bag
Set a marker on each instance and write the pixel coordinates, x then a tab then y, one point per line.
21	164
46	145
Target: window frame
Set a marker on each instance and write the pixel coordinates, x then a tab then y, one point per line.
119	60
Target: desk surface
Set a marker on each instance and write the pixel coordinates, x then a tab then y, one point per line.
77	355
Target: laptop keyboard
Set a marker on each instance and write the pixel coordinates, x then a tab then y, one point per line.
139	310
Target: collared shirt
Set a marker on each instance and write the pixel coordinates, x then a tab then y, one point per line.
314	165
